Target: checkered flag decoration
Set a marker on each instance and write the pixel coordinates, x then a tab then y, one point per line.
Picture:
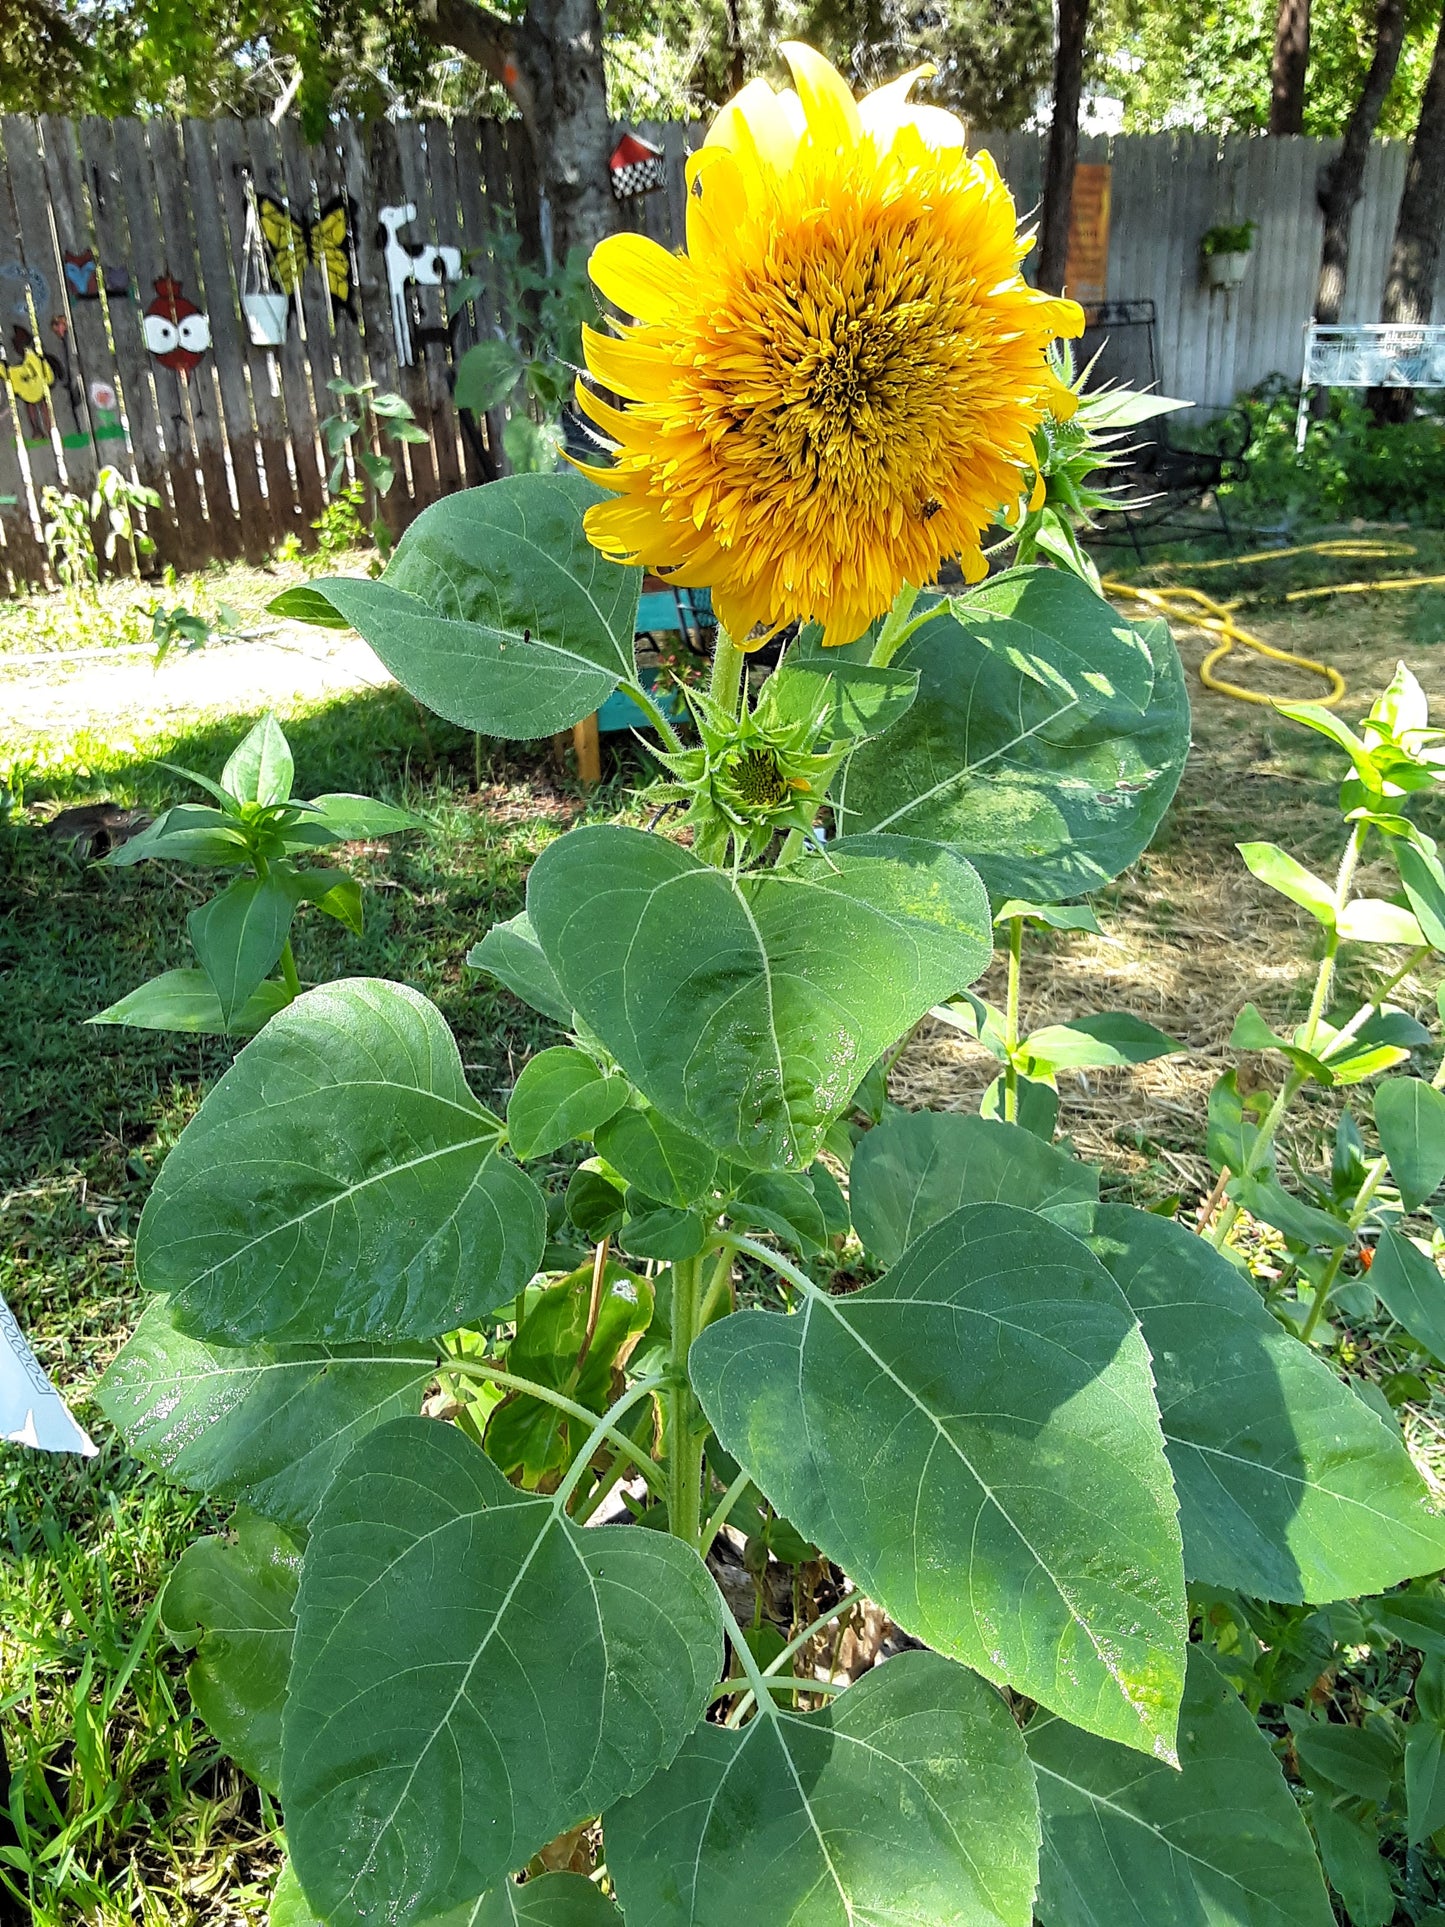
636	166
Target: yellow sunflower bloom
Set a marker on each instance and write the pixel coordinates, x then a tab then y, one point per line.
833	390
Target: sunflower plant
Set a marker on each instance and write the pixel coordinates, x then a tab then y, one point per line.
563	1439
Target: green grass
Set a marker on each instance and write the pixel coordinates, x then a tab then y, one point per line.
124	1810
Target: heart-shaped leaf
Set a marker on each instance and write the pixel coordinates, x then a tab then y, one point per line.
915	1168
909	1798
1016	755
496	611
267	1425
974	1440
749	1010
1290	1487
234	1599
472	1675
340	1183
1129	1843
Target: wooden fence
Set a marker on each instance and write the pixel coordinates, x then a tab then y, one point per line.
126	249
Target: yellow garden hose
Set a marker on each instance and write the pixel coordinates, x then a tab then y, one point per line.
1195	610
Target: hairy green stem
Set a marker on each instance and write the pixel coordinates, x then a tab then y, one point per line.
603	1428
1362	1015
685	1436
654	714
1011	1020
723	1510
727	673
801	1639
776	1262
479	1369
718	1286
288	969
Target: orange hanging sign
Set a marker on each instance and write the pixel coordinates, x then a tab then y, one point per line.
1086	269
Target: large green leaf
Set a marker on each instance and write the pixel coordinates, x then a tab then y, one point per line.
239	935
1290	1487
1013	753
749	1010
473	1674
1129	1843
915	1168
1410	1287
908	1799
268	1425
234	1599
974	1439
545	1900
1410	1117
497	612
341	1183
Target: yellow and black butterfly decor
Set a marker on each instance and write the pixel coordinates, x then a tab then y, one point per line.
293	241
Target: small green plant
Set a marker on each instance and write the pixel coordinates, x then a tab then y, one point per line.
1228	237
375	417
243	936
180	625
340	528
69	545
70	520
529	365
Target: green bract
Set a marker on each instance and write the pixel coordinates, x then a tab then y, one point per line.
1019	1421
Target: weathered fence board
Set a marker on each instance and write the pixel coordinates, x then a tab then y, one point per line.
114	235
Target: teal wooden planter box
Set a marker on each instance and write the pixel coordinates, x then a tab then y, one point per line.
621	712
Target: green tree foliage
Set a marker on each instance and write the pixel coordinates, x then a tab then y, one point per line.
1185	66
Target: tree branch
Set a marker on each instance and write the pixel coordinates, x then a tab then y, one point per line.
476	33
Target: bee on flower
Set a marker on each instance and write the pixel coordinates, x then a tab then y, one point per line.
835	388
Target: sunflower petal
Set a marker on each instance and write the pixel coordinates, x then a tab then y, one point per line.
832	112
639	276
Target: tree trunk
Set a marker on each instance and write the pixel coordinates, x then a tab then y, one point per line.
1289	66
550	62
1419	230
1342	182
737	55
1063	149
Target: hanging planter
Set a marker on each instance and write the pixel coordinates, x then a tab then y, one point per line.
265	313
266	308
1226	249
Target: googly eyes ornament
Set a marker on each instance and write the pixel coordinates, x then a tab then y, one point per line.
176	331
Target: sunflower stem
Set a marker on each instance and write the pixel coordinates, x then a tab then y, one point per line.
896	627
727	673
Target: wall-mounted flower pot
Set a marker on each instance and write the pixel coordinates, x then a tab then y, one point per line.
1225	270
266	318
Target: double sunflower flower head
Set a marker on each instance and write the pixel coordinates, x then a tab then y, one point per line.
836	387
